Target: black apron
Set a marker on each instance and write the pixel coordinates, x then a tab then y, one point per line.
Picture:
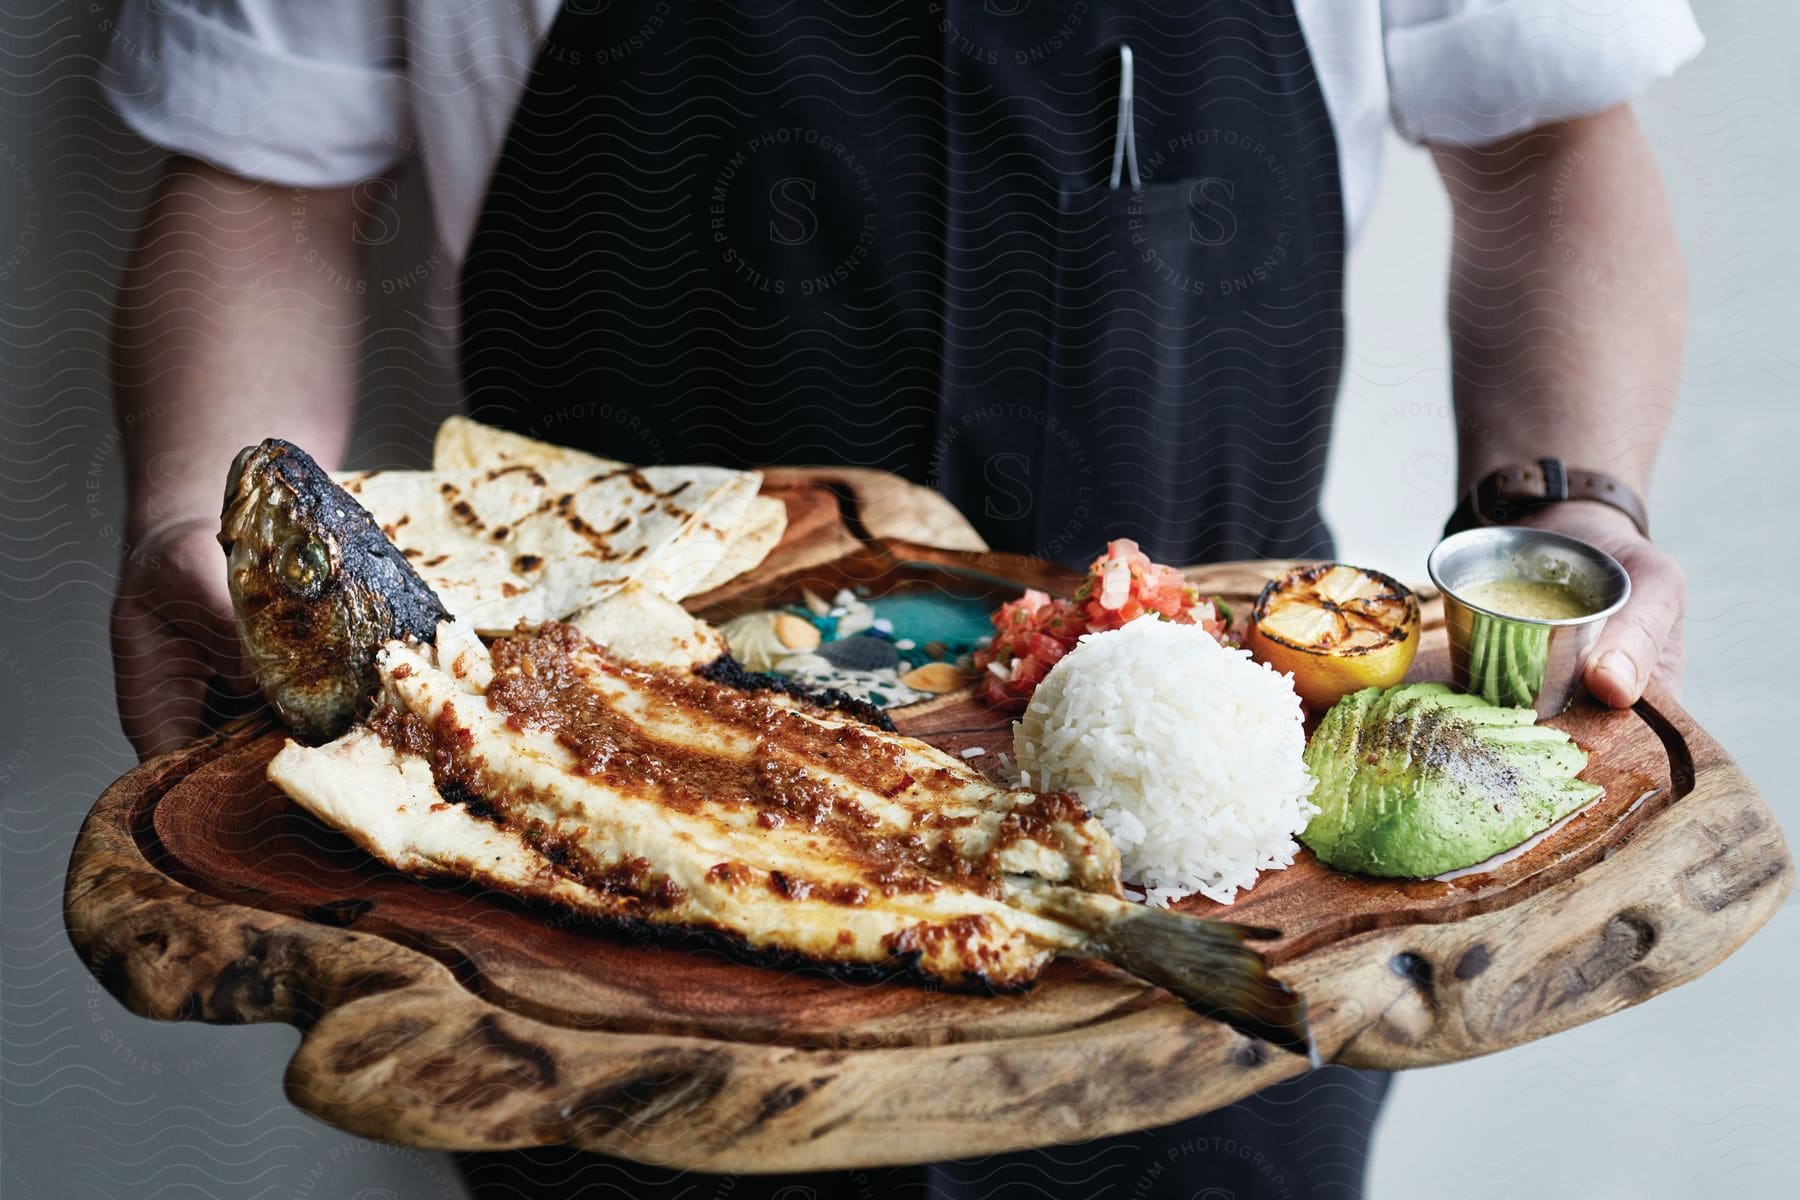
753	233
766	232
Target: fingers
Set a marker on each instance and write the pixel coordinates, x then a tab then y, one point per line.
160	681
208	622
1644	637
174	643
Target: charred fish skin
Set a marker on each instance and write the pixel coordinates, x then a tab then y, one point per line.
316	587
730	672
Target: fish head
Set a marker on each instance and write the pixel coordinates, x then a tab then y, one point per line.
316	587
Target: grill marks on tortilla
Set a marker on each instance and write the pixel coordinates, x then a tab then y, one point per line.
531	473
460	507
761	763
599	539
665	500
579	522
464	511
668	498
564	505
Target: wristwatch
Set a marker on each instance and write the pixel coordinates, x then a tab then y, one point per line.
1520	489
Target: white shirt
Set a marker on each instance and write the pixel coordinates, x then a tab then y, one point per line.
328	93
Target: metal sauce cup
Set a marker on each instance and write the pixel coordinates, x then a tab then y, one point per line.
1524	662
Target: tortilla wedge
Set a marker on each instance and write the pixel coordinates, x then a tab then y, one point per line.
641	626
515	543
765	520
466	445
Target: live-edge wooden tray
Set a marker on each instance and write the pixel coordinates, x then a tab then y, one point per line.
449	1017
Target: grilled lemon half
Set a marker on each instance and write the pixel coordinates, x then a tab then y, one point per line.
1336	629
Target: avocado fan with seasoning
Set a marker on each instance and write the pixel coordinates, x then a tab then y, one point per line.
1418	780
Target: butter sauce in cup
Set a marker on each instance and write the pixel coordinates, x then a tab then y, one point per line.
1536	599
1523	609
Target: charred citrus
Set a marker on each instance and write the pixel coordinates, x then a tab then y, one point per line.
1336	629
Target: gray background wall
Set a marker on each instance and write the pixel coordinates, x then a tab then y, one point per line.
1689	1096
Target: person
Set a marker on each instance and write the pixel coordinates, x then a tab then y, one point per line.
1077	265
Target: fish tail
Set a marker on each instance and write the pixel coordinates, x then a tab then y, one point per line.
1212	968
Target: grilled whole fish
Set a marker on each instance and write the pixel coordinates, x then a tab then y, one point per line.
316	587
554	769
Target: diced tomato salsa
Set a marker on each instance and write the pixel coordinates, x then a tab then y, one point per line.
1033	632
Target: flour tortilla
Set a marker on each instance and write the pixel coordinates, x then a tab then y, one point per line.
465	445
765	520
640	626
515	544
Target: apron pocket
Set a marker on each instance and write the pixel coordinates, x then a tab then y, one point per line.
1175	387
1130	305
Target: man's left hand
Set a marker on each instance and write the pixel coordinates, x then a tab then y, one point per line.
1642	641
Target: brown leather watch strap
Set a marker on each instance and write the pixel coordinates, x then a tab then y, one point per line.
1520	489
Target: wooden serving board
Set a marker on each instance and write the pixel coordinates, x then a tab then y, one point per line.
455	1018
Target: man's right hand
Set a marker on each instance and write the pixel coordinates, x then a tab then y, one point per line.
175	646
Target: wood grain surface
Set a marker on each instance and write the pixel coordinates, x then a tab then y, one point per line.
451	1017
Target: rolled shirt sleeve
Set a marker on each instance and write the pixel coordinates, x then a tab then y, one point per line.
303	95
1471	72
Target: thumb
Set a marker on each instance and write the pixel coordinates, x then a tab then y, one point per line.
1643	634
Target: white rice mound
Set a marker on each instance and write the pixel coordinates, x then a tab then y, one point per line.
1188	753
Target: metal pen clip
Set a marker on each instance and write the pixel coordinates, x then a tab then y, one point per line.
1125	139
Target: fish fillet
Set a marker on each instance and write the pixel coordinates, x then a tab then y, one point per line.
551	769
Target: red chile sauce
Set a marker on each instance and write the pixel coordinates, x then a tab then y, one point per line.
541	683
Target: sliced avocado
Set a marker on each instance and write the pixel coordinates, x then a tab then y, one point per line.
1540	741
1531	653
1517	689
1506	660
1478	638
1419	780
1506	688
1495	676
1484	659
1337	736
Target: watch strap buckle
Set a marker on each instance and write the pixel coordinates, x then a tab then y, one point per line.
1516	491
1556	479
